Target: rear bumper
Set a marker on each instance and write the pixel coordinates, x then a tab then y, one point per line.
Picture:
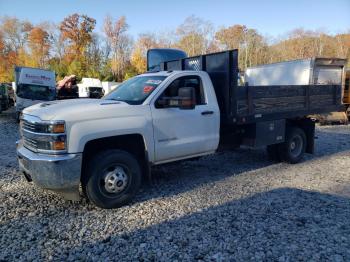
59	173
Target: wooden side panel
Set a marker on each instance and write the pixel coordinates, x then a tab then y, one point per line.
275	99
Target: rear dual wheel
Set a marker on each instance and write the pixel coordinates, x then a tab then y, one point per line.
292	150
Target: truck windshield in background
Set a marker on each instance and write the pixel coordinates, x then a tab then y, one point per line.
135	90
156	56
35	92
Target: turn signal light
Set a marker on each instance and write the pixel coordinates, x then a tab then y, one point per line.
58	145
58	128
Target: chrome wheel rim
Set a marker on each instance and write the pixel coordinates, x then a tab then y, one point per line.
115	179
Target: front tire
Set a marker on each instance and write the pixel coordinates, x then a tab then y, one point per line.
293	149
113	177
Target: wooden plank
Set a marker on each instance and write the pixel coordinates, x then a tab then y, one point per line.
274	99
321	89
278	91
271	105
320	101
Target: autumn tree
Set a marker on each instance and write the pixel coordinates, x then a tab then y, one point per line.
14	35
231	37
252	46
343	43
72	47
300	43
119	43
3	60
77	29
94	57
39	44
139	54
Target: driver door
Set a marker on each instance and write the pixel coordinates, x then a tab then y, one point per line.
180	133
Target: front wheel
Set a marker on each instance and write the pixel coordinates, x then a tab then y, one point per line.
113	178
293	149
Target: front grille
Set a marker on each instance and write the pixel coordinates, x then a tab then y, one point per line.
96	92
95	89
30	143
37	138
29	126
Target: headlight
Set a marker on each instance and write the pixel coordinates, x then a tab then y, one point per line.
44	137
49	143
56	128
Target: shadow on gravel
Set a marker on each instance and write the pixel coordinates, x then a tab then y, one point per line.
283	224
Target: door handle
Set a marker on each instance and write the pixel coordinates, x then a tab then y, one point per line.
207	113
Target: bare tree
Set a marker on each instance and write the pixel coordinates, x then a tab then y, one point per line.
119	42
195	35
15	32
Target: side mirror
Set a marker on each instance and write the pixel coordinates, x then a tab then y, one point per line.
187	98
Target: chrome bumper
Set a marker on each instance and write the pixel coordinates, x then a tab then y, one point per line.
59	173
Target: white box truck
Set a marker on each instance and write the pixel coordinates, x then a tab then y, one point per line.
317	71
33	86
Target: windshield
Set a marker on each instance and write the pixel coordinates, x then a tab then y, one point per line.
135	90
36	92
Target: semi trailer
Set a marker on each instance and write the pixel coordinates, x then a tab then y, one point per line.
189	108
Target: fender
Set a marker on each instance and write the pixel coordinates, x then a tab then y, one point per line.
82	132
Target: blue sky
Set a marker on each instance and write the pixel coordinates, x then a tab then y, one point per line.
270	17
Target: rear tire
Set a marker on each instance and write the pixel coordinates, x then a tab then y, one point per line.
293	149
113	177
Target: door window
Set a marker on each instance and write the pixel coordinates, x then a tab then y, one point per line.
186	81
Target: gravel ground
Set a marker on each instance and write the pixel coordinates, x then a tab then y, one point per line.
235	206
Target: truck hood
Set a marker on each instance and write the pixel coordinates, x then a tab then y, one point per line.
78	109
22	103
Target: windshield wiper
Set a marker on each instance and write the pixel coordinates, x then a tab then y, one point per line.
114	99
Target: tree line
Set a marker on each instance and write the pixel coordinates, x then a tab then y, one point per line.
75	47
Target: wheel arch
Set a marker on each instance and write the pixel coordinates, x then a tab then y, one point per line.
132	143
308	126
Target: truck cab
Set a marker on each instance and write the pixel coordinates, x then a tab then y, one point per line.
157	117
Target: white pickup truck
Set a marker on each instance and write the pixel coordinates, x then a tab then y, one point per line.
108	146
